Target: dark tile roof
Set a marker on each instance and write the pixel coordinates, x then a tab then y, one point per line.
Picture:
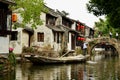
64	16
29	29
55	28
51	11
69	29
10	2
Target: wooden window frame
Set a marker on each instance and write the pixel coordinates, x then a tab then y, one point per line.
40	37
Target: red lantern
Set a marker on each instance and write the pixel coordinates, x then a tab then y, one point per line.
82	27
14	17
81	39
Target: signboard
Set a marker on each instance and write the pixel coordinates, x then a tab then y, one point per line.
4	45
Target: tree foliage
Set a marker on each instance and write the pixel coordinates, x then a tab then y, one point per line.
104	27
110	8
30	11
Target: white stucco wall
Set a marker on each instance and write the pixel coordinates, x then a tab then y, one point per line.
17	44
48	35
25	39
48	38
4	44
73	26
69	43
70	40
87	31
57	46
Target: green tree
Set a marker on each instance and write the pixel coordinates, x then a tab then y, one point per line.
30	11
101	27
110	8
104	27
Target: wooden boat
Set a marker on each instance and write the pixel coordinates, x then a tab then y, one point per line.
36	59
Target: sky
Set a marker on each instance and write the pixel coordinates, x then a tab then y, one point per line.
76	8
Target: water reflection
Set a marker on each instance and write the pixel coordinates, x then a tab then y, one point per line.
59	72
8	76
105	69
50	72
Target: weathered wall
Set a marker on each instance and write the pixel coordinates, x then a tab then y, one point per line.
17	44
4	44
25	39
48	35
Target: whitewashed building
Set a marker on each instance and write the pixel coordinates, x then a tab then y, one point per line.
57	31
5	25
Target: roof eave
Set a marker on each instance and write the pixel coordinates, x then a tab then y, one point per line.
8	2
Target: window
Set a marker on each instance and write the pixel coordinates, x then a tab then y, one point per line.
40	37
50	20
54	36
58	38
66	22
14	35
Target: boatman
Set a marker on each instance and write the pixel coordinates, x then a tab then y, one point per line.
116	35
85	48
110	34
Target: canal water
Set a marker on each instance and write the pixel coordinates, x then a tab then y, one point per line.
104	69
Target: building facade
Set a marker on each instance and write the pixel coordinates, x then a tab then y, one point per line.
5	25
57	32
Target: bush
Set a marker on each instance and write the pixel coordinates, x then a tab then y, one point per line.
12	58
29	50
78	50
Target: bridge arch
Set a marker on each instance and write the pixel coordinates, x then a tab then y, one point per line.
110	46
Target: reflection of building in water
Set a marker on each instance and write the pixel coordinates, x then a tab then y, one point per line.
85	77
69	72
77	72
51	73
80	74
64	73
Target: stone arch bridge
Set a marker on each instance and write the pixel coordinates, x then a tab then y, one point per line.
106	43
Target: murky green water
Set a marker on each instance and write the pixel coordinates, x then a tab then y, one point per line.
105	69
